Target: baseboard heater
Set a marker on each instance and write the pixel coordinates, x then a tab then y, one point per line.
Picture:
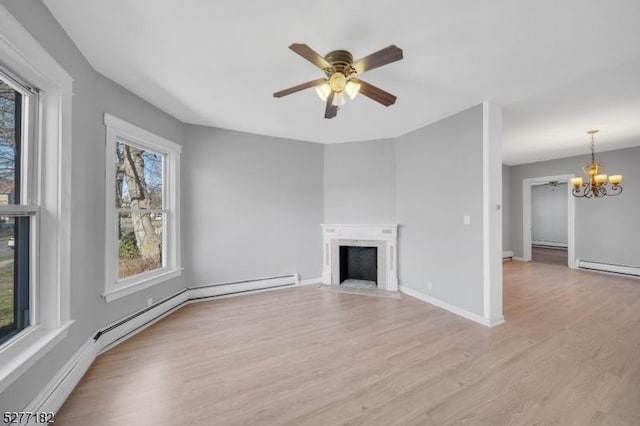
122	329
550	244
633	271
236	287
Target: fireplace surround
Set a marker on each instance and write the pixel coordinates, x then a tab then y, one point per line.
382	237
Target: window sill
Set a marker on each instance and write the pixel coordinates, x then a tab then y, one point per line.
141	283
25	349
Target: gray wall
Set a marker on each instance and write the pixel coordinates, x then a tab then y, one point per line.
606	229
438	181
506	208
93	95
254	206
549	213
359	182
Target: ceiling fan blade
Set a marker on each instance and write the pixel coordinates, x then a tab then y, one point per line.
310	55
330	110
375	93
299	87
381	57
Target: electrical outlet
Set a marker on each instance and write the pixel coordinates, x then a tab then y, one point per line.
429	286
150	301
467	220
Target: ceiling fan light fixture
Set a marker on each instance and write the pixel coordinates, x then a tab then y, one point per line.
338	99
323	91
337	81
352	89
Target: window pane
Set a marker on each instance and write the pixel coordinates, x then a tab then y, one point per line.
10	134
140	242
139	176
14	275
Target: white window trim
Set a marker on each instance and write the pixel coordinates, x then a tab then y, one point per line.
30	61
118	128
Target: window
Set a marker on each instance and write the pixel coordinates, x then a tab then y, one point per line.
17	211
35	200
142	209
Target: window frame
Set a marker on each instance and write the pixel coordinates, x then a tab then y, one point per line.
23	57
25	203
118	129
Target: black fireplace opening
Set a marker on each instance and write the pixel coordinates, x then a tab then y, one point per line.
359	263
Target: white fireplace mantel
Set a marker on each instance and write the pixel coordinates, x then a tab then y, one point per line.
384	237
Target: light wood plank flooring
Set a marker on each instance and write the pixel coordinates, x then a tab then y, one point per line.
568	354
552	256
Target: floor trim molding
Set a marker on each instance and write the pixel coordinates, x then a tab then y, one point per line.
452	308
310	281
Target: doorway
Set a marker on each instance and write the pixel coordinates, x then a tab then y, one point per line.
548	220
549	223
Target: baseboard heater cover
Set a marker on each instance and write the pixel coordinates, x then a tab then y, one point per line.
236	287
147	316
633	271
550	244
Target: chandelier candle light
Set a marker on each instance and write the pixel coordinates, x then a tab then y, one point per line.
596	185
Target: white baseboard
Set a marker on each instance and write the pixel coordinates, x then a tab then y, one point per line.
53	395
310	281
633	271
507	253
519	259
452	308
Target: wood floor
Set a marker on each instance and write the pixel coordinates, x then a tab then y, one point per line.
552	256
568	354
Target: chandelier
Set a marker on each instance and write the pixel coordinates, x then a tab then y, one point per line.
596	185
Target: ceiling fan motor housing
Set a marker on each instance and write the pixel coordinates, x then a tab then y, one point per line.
340	61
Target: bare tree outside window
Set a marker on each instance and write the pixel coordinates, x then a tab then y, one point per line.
139	201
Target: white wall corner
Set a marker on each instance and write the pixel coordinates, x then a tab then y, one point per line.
492	211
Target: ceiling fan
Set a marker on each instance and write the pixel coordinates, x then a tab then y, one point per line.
341	76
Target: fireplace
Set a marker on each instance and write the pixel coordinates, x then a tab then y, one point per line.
376	245
359	266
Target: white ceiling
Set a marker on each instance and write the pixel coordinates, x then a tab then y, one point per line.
558	67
